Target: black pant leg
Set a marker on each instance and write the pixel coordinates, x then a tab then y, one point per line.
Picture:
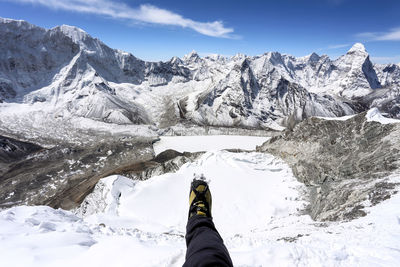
205	246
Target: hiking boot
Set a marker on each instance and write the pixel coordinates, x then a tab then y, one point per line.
199	199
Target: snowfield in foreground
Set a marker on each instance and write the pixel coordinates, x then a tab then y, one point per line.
257	207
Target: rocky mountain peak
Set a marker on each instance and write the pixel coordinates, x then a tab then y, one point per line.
192	56
176	60
216	57
357	48
314	57
20	24
238	56
76	34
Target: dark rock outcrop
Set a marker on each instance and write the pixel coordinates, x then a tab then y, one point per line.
62	176
12	150
343	162
165	162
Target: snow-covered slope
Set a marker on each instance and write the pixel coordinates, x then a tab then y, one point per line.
242	101
374	115
65	68
75	74
257	207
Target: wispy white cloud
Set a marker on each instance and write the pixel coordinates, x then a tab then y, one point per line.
337	46
332	47
144	13
391	35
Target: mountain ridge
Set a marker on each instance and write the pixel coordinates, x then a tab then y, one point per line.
74	74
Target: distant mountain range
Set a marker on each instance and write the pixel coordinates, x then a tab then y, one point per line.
69	73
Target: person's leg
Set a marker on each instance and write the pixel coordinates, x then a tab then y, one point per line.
205	246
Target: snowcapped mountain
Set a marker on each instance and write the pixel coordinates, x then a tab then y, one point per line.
73	74
61	67
240	99
323	192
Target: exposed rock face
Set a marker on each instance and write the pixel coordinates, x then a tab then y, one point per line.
388	99
12	150
165	162
6	90
341	161
62	176
244	102
389	75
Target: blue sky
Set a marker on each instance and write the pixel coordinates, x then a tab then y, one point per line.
158	30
